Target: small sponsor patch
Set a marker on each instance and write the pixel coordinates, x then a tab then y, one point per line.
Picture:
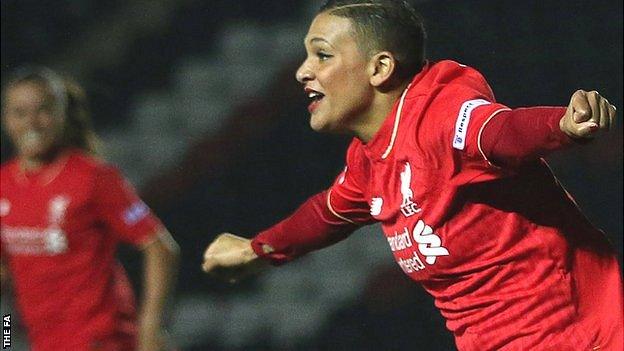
5	207
135	213
463	118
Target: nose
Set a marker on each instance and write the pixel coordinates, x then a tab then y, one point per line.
30	118
38	118
304	73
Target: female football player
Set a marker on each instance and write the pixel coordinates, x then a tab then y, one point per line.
469	208
64	212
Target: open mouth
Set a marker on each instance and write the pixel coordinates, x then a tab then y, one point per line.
31	137
315	98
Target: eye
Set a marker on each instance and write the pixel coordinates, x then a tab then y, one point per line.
47	107
322	56
17	112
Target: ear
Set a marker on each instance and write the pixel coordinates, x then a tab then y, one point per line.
381	67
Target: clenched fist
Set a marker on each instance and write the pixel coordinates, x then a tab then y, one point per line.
587	113
230	257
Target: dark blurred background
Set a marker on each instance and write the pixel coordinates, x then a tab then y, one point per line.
196	102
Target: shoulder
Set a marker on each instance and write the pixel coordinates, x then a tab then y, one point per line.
438	92
80	160
454	89
456	104
355	152
7	171
356	160
8	167
355	147
93	169
446	78
456	79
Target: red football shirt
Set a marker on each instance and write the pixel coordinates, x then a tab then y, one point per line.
60	229
509	258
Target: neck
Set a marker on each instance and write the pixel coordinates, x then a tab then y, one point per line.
371	122
31	164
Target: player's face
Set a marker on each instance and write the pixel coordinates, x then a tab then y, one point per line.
32	119
334	75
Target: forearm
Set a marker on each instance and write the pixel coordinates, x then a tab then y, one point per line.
514	137
312	226
160	266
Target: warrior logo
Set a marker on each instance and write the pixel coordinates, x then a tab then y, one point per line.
408	206
376	205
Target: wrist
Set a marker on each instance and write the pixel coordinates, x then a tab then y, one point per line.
563	129
260	249
571	138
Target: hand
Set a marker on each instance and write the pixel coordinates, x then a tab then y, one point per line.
231	258
587	113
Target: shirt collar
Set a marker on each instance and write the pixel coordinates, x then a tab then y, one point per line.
384	141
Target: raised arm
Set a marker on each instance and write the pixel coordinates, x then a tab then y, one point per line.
513	137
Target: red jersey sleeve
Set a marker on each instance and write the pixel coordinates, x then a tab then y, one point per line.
311	227
120	209
518	136
473	133
453	125
346	198
324	219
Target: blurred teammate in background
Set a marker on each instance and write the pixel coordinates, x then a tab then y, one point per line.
64	212
469	208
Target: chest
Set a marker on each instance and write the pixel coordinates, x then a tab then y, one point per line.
404	189
44	221
412	202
